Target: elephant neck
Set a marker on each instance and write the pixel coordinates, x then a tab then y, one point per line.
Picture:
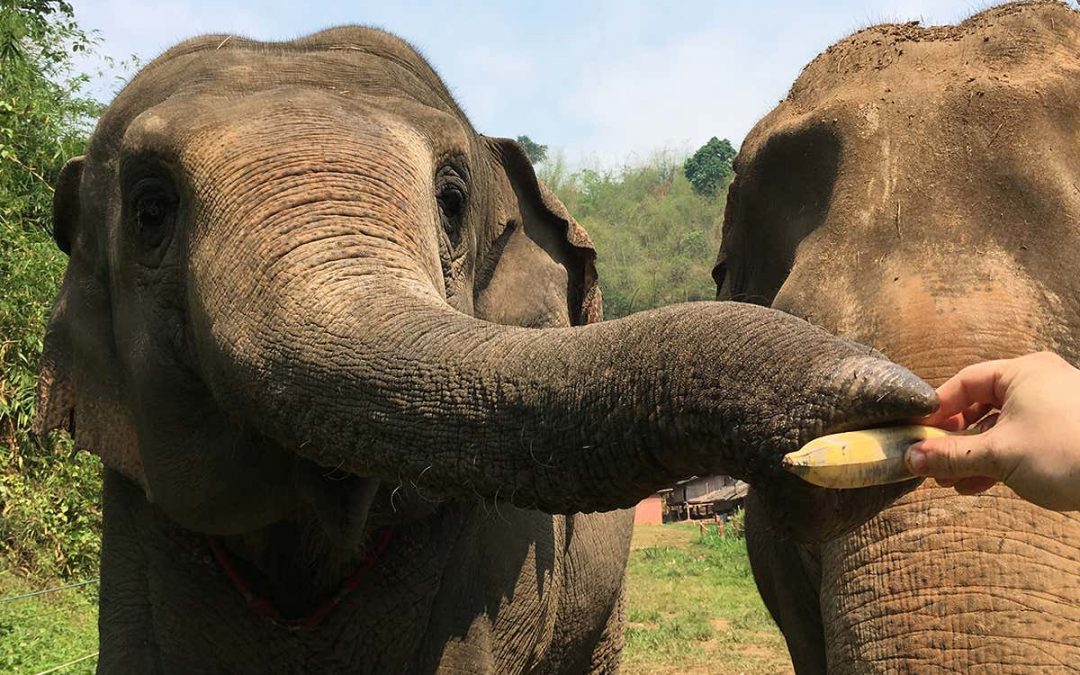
298	569
314	616
290	570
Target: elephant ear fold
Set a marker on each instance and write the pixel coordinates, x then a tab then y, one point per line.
66	203
720	268
539	268
78	386
55	407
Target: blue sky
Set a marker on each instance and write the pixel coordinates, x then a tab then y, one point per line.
602	82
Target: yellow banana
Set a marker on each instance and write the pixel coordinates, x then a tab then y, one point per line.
855	459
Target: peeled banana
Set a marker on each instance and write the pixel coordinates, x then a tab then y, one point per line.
855	459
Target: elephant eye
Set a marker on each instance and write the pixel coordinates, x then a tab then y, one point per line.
153	210
451	201
451	194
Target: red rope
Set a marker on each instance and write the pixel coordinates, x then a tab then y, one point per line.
312	619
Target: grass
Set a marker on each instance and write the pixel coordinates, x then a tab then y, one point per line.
44	631
693	607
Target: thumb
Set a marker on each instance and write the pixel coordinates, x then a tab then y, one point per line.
956	457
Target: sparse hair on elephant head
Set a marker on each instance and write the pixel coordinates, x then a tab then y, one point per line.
302	255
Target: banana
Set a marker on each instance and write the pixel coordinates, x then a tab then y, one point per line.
855	459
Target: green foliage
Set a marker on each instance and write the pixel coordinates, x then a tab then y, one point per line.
656	238
737	522
711	166
49	514
534	151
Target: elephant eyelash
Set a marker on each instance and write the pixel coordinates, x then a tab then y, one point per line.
451	200
152	207
452	197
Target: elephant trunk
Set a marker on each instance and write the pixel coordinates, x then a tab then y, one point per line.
325	328
401	386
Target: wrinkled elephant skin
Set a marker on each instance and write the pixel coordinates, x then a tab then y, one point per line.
325	336
917	191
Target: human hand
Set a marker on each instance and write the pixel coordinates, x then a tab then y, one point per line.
1033	443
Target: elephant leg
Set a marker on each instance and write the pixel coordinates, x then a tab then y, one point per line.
588	635
788	578
125	626
607	653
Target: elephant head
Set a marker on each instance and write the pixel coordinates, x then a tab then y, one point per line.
918	191
286	256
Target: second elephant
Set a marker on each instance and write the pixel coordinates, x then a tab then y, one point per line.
917	191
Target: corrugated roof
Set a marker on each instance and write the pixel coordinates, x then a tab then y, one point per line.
725	494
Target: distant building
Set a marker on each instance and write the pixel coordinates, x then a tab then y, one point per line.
650	511
704	497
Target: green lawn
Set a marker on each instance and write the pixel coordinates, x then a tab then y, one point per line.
41	632
693	607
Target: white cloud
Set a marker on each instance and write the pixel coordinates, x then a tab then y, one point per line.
145	29
603	82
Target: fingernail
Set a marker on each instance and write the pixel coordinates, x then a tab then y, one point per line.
916	459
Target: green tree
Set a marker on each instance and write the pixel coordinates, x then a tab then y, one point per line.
710	167
656	237
49	517
534	151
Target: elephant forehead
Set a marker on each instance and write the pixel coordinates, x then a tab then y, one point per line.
926	104
209	78
351	59
378	167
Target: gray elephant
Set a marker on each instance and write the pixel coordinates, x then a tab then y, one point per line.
339	355
917	191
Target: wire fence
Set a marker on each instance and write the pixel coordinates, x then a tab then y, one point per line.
45	591
67	664
21	596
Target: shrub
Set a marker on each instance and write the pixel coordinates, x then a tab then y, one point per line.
656	237
49	512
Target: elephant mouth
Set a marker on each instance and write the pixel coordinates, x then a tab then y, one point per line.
808	513
243	584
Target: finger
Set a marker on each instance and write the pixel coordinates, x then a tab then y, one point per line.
954	423
989	422
980	383
961	420
943	419
975	485
975	412
955	457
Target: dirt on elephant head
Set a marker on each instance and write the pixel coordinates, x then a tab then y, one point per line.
918	191
1000	43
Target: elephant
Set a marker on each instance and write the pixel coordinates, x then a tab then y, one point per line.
342	359
917	191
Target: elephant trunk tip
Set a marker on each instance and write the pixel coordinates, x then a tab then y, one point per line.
883	392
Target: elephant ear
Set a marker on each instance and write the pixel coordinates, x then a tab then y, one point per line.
78	385
720	268
539	269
